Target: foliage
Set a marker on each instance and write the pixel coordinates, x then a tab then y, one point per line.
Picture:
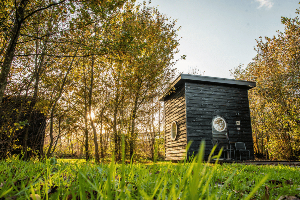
71	58
34	36
275	101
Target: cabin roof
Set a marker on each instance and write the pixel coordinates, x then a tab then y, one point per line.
182	78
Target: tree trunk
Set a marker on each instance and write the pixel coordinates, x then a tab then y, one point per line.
132	132
86	131
97	158
116	148
10	51
58	136
61	89
153	136
91	118
51	132
101	138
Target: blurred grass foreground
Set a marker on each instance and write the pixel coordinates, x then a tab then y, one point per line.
77	179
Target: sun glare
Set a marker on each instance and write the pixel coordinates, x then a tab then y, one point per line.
92	115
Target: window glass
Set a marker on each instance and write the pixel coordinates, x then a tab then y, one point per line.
173	130
219	124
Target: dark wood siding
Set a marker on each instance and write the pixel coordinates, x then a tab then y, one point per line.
175	110
204	101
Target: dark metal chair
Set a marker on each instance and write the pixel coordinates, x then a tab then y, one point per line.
241	148
222	140
220	135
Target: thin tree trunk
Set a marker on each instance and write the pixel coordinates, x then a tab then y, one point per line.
86	131
153	135
132	131
97	158
158	125
116	148
86	135
58	136
51	133
54	106
101	138
116	136
91	118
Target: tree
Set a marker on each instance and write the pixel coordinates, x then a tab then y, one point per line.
143	54
19	16
275	102
82	57
15	15
34	34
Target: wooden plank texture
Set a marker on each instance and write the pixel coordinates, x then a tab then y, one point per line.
205	101
175	110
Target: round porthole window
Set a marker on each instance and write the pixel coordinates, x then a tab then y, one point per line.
173	130
219	124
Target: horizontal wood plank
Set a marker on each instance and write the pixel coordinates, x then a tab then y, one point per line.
205	101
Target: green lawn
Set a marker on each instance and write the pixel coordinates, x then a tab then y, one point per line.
68	179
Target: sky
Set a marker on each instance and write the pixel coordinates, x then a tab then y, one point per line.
219	35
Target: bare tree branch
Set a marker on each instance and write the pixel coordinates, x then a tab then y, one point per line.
60	56
44	8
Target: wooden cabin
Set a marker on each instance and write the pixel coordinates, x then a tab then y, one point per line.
193	102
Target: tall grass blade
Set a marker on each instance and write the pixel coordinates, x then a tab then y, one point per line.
122	195
89	182
226	182
196	167
6	192
257	187
187	150
110	179
211	153
157	187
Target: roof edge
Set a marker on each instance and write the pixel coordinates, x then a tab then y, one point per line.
206	79
172	85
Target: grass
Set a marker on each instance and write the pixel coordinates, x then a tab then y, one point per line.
195	180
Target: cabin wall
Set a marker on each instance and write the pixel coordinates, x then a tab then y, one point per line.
204	101
175	111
